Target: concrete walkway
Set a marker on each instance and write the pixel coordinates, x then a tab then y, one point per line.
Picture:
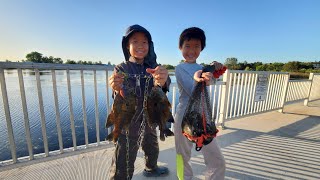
271	145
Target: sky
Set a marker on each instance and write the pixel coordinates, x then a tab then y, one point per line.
250	30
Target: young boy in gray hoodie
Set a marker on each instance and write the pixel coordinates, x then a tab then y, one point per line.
191	42
139	55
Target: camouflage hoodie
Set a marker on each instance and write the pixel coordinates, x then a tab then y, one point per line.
130	67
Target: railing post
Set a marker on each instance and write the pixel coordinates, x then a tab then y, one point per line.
284	94
25	113
173	104
224	97
8	117
306	101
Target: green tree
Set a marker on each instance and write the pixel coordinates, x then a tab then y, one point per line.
57	60
231	63
277	66
70	62
255	64
34	57
168	66
262	67
98	63
292	66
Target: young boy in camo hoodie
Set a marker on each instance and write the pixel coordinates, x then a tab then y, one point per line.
139	55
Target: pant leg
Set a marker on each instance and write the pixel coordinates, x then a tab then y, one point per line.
119	164
183	150
214	160
150	146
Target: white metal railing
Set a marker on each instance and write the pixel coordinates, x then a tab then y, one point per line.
232	97
42	66
238	94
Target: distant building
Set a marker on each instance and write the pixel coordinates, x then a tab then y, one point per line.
316	65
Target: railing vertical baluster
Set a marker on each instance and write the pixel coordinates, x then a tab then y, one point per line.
96	107
84	110
282	85
274	81
271	91
228	91
275	89
248	80
284	93
173	104
42	116
237	95
279	90
268	93
254	84
241	91
224	96
108	98
57	109
173	100
74	139
244	92
234	78
25	114
8	116
311	76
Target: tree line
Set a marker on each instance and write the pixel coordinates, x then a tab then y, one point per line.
37	57
231	63
292	66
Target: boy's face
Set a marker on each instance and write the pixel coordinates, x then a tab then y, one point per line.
191	50
138	46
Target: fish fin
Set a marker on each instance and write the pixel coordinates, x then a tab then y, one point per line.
110	137
109	122
162	137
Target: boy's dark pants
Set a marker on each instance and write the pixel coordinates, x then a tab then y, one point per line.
150	147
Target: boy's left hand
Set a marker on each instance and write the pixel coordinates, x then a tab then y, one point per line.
160	75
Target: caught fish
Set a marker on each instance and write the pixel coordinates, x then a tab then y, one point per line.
197	125
121	115
124	107
158	111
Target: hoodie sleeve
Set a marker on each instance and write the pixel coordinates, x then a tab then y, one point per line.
184	80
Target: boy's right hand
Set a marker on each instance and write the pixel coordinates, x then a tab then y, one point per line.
116	81
200	76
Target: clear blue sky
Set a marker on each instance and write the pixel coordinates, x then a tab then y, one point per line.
250	30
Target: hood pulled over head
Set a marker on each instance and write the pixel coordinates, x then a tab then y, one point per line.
151	58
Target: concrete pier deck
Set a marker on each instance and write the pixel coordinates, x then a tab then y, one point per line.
271	145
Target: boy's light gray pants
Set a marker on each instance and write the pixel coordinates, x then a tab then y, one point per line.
213	158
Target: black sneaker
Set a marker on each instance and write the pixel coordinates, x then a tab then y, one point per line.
159	171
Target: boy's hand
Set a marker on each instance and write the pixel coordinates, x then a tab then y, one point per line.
160	75
116	81
203	77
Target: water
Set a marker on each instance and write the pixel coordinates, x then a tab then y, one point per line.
17	118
